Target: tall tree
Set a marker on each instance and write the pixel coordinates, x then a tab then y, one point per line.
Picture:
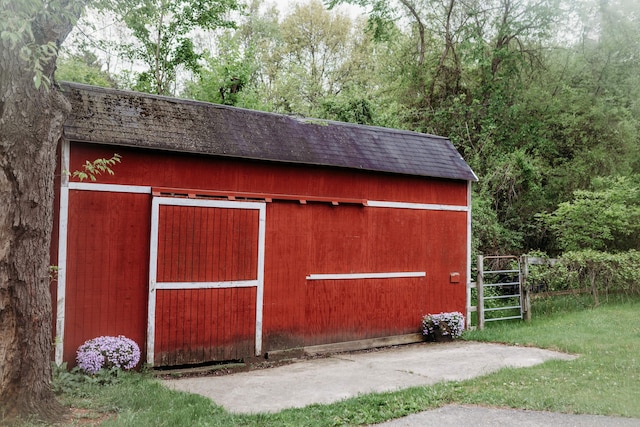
226	75
315	41
32	113
163	35
242	67
313	62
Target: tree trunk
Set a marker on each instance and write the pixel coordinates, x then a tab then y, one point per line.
31	122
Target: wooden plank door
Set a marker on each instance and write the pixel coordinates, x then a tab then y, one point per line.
205	280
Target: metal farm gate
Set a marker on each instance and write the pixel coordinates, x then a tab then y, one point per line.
205	280
499	289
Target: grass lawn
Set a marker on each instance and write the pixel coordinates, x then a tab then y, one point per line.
604	380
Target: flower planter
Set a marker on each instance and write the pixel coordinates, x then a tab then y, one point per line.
442	327
438	336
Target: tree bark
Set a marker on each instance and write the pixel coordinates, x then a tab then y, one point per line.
31	124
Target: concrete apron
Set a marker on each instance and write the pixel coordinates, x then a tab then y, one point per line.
345	375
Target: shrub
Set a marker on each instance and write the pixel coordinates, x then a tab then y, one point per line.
446	324
108	352
591	270
604	219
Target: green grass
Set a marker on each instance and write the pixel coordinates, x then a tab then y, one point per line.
604	380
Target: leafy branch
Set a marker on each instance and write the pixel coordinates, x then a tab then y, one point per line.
90	170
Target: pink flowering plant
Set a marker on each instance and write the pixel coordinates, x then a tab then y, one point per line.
106	353
445	324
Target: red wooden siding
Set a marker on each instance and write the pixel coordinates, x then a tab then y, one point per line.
144	167
324	239
201	325
288	249
347	310
107	268
108	256
201	244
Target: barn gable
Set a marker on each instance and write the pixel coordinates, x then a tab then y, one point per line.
146	121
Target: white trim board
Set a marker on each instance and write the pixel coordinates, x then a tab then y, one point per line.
418	206
207	285
154	286
114	188
63	222
208	203
352	276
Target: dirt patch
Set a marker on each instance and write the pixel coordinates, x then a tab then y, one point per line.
86	417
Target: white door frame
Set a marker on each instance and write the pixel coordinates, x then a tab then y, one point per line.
258	282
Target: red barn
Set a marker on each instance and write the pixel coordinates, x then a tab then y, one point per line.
227	233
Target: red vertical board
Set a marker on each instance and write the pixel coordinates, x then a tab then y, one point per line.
325	239
107	268
347	310
203	325
205	244
287	254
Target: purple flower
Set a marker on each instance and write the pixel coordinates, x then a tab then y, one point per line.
450	323
108	352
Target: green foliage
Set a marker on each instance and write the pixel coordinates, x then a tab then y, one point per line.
349	109
315	41
313	62
85	68
489	235
23	27
592	271
75	382
606	218
226	77
65	381
381	18
90	170
619	272
162	33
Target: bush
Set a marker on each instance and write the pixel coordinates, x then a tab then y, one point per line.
445	324
589	271
604	219
108	352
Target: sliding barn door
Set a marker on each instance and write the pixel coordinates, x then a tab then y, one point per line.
205	280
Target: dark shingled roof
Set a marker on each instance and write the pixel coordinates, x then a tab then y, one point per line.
115	117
